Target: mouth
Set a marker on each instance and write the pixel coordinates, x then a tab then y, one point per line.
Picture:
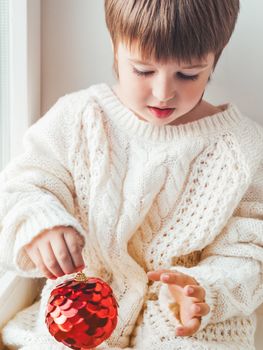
161	112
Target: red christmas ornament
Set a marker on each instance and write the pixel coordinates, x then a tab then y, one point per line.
81	312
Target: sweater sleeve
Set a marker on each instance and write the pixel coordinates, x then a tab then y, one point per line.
230	269
37	189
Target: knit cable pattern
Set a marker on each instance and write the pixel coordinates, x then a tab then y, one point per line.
187	198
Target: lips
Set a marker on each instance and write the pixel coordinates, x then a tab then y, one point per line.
161	112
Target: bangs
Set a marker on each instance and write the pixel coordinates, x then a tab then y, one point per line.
171	30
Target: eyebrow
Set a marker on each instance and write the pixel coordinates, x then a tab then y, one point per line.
186	67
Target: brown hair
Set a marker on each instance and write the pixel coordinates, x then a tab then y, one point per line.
172	29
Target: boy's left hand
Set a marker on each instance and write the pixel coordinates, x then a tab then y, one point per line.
180	286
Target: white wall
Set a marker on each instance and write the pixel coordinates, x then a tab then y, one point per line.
76	50
239	74
76	53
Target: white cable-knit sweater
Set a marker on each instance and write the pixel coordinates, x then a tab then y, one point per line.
187	197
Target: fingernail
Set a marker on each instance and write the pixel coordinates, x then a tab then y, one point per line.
197	308
179	330
190	290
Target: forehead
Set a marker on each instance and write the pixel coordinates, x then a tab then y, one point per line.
134	55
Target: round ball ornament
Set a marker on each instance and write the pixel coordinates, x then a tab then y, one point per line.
81	312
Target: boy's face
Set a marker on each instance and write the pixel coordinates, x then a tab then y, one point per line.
163	86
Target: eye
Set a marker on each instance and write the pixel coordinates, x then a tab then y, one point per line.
140	73
187	77
179	74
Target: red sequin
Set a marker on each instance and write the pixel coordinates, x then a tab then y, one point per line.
82	315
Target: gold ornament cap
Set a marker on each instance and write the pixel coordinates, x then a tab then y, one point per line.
81	277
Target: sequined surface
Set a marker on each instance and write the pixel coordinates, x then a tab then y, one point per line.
81	315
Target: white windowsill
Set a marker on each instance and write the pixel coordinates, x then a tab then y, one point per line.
25	51
24	107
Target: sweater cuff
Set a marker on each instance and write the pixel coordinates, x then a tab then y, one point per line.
206	280
38	220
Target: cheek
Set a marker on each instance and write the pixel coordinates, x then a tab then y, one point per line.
137	89
138	95
194	91
142	90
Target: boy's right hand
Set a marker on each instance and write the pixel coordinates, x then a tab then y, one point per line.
57	252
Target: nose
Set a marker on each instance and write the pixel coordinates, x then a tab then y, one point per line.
163	89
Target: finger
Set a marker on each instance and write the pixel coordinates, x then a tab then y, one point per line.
195	291
174	278
62	254
36	257
200	309
70	230
188	329
49	258
155	275
75	245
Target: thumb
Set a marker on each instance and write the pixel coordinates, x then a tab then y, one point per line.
190	327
